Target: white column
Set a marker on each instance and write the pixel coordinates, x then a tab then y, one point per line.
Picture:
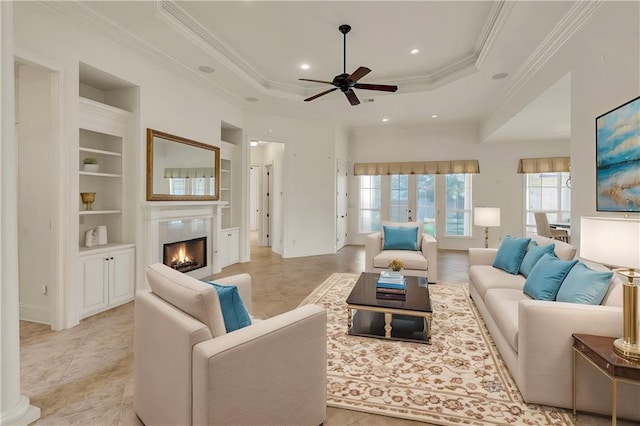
14	408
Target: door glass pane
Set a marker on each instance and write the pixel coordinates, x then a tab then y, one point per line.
458	205
426	202
399	207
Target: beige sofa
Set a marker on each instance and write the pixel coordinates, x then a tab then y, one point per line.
534	336
188	370
423	262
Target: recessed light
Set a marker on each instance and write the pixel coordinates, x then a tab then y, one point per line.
251	99
499	76
205	69
434	116
304	66
414	51
384	120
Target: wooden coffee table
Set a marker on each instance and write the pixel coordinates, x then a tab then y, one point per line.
407	320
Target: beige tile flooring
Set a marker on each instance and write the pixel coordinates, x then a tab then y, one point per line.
83	375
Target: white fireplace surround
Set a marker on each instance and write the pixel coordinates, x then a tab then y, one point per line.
168	222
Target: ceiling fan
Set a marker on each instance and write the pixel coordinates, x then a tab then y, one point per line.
345	82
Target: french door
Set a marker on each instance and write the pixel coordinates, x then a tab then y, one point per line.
413	198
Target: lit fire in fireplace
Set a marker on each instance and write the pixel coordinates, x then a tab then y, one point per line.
186	256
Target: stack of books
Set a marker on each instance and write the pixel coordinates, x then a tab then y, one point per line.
391	285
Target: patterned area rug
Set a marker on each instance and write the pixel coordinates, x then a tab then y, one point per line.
458	379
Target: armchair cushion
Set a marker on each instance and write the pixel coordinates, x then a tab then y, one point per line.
405	225
412	259
400	238
234	312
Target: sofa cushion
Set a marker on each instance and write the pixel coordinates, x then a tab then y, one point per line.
412	259
564	251
406	225
502	303
484	277
234	312
510	254
584	285
546	277
400	238
613	297
186	293
534	254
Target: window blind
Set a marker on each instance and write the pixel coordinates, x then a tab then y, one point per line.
417	168
542	165
186	173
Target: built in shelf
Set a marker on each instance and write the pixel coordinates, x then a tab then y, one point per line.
86	212
114	175
105	248
100	151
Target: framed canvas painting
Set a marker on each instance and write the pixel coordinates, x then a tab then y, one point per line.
618	159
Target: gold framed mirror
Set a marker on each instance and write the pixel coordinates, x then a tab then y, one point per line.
180	169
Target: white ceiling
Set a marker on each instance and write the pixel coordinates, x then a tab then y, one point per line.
255	48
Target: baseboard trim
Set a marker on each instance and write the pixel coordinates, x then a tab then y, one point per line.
34	313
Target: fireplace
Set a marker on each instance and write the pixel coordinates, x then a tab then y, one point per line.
187	255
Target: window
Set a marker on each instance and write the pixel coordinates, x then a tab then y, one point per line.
426	202
369	208
548	193
177	186
399	203
458	205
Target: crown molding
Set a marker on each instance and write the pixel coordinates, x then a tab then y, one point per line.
91	19
492	27
570	23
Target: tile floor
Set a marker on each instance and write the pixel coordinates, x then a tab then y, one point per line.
83	375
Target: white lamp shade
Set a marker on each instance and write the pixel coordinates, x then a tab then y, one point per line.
486	216
611	241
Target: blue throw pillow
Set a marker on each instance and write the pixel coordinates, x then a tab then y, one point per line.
584	285
233	310
534	254
400	237
510	254
546	277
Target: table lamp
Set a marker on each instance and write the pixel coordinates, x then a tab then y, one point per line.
487	217
615	242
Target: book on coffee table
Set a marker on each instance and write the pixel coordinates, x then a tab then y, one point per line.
394	280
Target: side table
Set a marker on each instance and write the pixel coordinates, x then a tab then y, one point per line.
598	351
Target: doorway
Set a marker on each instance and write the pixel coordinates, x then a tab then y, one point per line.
341	205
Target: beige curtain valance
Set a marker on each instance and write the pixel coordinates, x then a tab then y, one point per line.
417	168
542	165
189	172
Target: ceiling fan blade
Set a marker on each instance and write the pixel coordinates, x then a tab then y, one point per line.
383	87
351	95
320	94
315	81
358	74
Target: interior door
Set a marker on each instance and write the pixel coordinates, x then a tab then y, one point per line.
254	201
341	206
267	203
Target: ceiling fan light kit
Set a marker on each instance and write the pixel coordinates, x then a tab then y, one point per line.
347	82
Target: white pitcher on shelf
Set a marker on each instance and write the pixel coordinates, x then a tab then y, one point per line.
101	235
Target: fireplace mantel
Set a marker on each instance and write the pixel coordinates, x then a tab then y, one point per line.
156	213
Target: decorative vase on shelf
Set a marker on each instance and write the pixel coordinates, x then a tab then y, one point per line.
90	164
88	198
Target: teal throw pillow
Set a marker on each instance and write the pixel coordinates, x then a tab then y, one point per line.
534	254
584	285
546	277
510	254
400	237
233	310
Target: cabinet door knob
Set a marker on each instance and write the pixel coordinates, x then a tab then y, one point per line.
111	258
106	258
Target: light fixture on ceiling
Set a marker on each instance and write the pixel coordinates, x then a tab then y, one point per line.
414	51
206	69
251	99
304	66
384	120
499	76
434	116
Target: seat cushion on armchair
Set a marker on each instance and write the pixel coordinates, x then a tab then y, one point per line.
189	295
412	259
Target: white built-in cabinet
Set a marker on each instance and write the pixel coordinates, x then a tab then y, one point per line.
107	278
228	245
107	271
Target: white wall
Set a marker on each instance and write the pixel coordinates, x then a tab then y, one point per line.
168	102
497	185
604	61
309	180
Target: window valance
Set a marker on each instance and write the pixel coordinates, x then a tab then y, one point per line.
190	172
417	168
542	165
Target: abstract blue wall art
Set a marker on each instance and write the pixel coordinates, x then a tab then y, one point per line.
618	159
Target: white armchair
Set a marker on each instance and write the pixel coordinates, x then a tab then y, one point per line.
188	370
422	262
